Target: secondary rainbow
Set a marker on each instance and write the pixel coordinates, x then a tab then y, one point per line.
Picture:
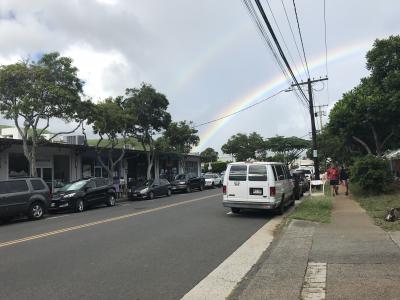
275	83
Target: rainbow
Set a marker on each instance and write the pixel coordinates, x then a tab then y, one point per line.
275	83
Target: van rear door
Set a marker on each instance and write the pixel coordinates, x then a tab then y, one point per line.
237	183
258	187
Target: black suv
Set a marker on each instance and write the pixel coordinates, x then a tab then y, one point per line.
81	194
23	196
187	182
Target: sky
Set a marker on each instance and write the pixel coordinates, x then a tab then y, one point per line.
206	56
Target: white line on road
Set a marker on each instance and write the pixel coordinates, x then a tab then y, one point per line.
222	281
229	213
56	217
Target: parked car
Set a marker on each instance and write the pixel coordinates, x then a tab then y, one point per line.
307	172
81	194
301	184
259	185
150	189
212	180
23	196
187	182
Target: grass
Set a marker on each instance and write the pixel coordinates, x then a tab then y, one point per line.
377	207
315	209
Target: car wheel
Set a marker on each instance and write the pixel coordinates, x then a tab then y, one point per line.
169	193
188	189
36	211
79	205
235	210
201	187
111	200
151	196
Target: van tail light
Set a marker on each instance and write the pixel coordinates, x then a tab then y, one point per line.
272	191
224	189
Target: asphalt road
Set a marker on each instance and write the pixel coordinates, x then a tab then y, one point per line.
154	249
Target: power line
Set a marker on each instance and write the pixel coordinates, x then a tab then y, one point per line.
294	38
301	38
283	39
278	46
240	110
326	51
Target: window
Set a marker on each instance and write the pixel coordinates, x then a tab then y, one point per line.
100	182
279	172
16	186
238	173
274	171
37	184
164	181
257	173
90	184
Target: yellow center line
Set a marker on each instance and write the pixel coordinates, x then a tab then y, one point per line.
73	228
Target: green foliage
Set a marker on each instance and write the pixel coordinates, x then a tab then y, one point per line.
371	174
181	136
209	155
244	147
31	92
366	118
286	149
315	209
377	207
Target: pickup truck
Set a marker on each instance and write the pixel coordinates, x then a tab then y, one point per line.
187	182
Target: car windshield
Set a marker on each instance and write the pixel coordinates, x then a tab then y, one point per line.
148	183
208	176
180	177
74	186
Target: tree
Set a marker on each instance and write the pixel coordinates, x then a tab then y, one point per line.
112	122
209	155
149	109
286	149
366	118
35	92
244	147
181	136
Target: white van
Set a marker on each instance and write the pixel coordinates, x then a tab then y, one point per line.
259	185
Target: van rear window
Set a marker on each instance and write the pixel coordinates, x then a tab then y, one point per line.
238	173
257	173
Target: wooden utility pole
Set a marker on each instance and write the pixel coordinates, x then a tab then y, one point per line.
313	129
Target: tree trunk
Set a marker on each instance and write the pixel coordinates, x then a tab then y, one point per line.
363	144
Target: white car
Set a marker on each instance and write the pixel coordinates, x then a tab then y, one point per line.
212	180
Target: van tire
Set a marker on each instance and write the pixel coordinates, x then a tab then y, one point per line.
235	210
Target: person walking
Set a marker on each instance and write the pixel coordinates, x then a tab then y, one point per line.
333	176
344	177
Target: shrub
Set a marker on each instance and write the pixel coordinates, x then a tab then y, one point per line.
371	174
217	166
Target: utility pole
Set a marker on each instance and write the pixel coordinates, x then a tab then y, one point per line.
320	113
313	129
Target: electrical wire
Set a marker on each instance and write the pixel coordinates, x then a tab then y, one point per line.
294	38
283	39
282	54
240	110
326	52
301	37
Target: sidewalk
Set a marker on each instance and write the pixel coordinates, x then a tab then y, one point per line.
350	258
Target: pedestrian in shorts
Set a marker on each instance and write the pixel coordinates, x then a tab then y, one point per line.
344	177
333	175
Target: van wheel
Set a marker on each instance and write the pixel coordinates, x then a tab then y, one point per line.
79	206
36	211
235	210
281	208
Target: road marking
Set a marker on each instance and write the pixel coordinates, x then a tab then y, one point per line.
56	217
314	284
73	228
229	213
222	281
